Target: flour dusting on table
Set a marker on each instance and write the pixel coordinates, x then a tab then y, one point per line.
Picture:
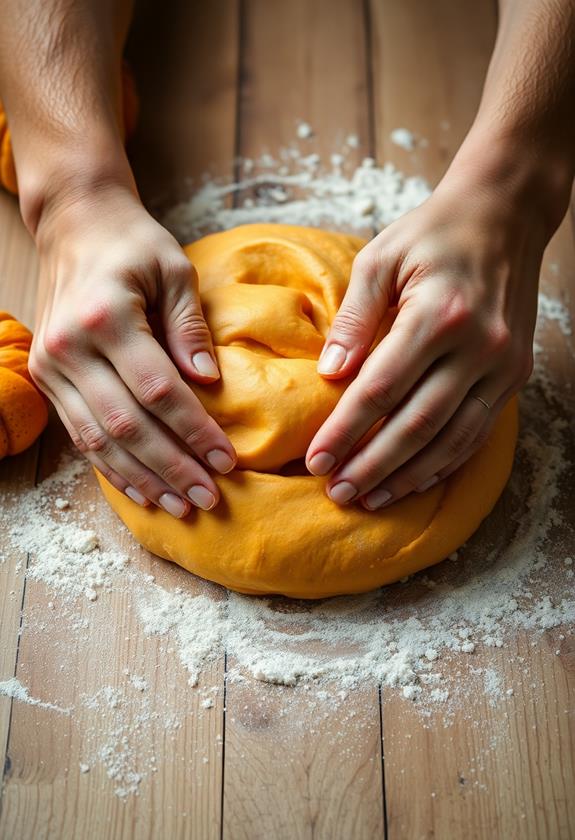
405	637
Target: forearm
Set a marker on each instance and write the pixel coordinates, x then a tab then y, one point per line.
524	134
60	71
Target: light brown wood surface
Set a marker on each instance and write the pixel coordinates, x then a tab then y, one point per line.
219	80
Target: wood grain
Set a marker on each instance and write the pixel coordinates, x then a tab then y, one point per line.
17	296
488	770
67	654
281	762
429	62
290	772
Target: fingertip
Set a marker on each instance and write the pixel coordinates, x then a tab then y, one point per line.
204	365
221	460
332	359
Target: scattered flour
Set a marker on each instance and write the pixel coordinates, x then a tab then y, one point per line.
302	192
304	131
14	689
405	637
403	138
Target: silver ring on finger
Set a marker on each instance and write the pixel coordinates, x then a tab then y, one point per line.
482	401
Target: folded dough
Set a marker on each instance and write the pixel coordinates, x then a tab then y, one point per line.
269	294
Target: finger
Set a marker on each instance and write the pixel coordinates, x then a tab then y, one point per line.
114	461
187	333
113	477
122	425
158	387
461	436
482	437
407	431
387	376
359	317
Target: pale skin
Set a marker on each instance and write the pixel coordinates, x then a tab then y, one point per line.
462	270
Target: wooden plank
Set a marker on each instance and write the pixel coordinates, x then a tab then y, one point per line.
429	61
186	65
506	769
85	657
500	769
295	767
18	263
17	296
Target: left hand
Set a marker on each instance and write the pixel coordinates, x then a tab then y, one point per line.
462	270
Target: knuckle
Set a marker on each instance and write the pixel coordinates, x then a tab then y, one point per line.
145	481
191	325
172	472
58	342
96	316
94	438
108	473
348	321
459	440
120	425
421	427
481	439
345	439
196	436
454	315
378	397
157	391
78	441
498	339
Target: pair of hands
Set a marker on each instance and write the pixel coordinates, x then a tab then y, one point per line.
462	271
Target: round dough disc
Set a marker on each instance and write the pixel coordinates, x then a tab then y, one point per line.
269	294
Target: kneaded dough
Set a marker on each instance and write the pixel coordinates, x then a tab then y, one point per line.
269	294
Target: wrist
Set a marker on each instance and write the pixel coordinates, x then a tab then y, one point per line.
62	175
529	177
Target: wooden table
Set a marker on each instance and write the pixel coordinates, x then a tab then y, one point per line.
218	80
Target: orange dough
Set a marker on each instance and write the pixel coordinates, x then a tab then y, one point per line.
269	294
23	411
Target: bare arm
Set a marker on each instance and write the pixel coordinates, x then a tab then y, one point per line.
463	271
105	264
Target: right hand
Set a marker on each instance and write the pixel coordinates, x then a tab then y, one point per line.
107	265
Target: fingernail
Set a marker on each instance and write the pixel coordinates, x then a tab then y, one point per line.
136	496
220	460
172	504
332	359
377	498
205	365
342	492
321	463
201	497
427	484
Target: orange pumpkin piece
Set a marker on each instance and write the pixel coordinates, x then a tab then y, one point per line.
23	409
130	107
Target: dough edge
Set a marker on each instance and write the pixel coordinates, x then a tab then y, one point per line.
203	543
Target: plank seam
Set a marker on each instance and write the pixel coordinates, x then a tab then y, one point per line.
241	17
370	91
382	754
17	657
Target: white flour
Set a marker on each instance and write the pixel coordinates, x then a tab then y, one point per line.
299	189
406	636
13	688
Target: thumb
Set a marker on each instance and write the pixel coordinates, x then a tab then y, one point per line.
187	333
359	317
